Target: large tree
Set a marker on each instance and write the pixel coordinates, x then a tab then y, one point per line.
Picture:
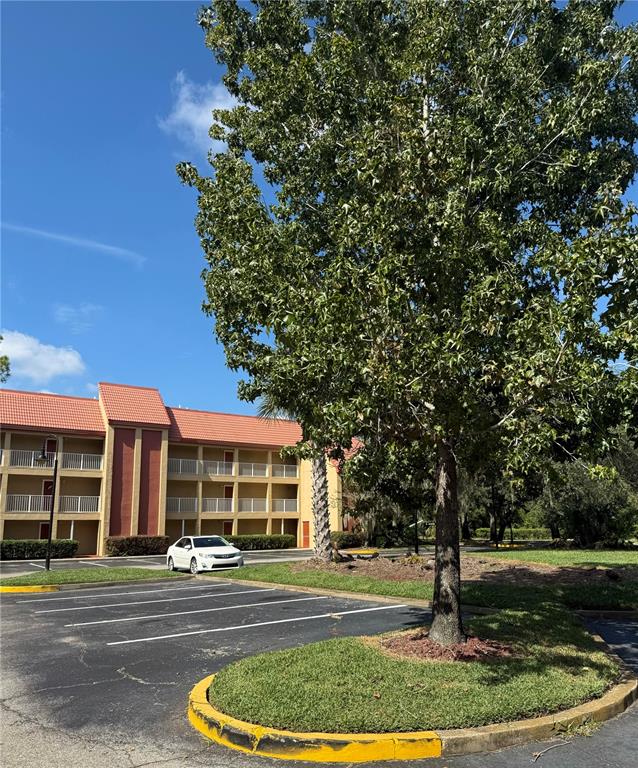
448	255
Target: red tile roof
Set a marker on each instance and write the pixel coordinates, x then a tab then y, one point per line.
126	404
228	429
42	412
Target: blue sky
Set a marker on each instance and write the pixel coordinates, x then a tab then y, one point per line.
100	262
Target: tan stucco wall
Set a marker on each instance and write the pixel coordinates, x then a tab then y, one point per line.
84	531
251	526
22	529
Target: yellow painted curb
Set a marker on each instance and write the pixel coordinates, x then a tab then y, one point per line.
41	588
314	747
365	747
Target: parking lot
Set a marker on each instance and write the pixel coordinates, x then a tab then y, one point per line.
100	676
21	567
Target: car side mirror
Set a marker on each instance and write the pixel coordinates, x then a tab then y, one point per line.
187	546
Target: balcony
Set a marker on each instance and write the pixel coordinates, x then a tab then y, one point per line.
217	505
181	504
79	504
252	505
20	502
217	467
197	467
253	470
284	505
28	460
284	470
91	461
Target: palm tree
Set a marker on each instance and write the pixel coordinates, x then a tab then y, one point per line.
269	409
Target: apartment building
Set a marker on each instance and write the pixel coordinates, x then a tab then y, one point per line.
128	464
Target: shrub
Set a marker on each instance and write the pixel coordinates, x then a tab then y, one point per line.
263	541
525	534
36	549
347	539
136	545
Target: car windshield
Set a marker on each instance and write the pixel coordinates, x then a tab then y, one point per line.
209	541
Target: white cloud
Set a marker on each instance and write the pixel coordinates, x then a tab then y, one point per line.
78	319
37	362
80	242
191	115
91	388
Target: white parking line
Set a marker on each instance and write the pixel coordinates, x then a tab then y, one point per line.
35	565
201	610
335	614
90	562
148	602
91	595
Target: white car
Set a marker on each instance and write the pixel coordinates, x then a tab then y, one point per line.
202	553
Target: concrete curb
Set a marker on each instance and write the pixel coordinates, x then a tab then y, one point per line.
314	747
361	748
90	585
366	596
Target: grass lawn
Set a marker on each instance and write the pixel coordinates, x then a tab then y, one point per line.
565	557
347	685
85	575
616	596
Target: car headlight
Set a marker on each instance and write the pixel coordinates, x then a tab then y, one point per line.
208	557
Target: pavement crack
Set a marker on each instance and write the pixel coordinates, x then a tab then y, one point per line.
123	672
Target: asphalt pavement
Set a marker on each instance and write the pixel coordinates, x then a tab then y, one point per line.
100	677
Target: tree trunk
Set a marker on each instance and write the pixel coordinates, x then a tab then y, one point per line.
321	507
447	626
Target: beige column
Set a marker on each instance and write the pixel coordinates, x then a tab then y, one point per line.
106	487
161	519
200	493
4	478
137	467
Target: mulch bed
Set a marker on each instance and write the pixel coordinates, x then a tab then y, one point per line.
472	569
417	645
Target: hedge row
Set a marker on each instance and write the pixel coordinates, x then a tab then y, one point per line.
529	534
118	546
262	541
347	539
36	549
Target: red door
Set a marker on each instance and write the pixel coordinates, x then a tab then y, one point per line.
47	490
305	534
51	445
228	491
44	530
228	527
229	456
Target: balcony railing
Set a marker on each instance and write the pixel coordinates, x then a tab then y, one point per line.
21	502
181	504
253	470
217	467
284	505
252	505
79	504
82	461
284	470
196	467
183	466
217	505
29	459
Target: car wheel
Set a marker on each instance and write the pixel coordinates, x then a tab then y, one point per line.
170	565
193	566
